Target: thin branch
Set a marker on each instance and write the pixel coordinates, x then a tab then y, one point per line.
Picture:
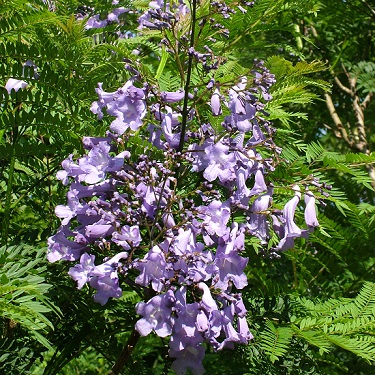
361	143
367	100
342	87
185	111
369	7
125	354
336	119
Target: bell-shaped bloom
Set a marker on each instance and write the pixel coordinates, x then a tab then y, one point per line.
172	96
215	217
60	247
106	287
103	278
98	230
95	22
229	264
208	303
157	315
216	103
291	230
310	212
127	104
15	84
129	236
173	139
92	168
220	163
257	223
81	272
190	358
154	268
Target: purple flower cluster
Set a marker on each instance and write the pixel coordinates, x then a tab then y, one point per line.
172	221
130	212
96	21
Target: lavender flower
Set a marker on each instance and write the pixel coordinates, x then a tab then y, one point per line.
290	230
157	314
15	84
103	278
127	104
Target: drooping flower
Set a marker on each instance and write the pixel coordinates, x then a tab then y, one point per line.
103	278
157	315
229	264
127	104
154	268
310	212
15	84
290	229
215	103
60	247
215	217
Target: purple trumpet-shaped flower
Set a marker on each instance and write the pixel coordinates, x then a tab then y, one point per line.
310	212
215	217
93	167
193	264
257	224
242	111
157	315
106	286
290	230
95	22
215	103
173	96
190	358
216	161
81	272
115	13
15	84
74	207
129	236
127	104
60	247
103	278
173	139
98	230
229	264
154	268
186	340
98	162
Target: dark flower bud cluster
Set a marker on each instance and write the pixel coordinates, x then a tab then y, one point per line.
162	15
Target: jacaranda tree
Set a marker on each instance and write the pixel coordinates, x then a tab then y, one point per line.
160	208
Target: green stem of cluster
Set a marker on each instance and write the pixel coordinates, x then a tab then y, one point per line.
126	353
185	111
8	194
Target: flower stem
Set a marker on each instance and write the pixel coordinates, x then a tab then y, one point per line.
126	353
185	111
8	194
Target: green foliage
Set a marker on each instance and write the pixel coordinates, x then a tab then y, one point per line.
364	71
293	86
348	323
23	298
25	307
275	342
